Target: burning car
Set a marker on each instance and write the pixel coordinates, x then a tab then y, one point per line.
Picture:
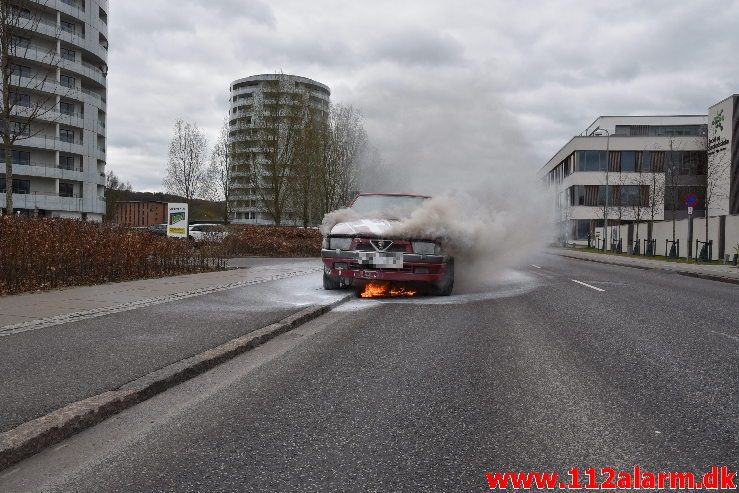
367	252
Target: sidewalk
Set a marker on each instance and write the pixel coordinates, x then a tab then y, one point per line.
24	308
725	273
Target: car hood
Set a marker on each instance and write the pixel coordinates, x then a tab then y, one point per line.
364	227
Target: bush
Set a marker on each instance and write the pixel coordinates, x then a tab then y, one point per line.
50	253
273	241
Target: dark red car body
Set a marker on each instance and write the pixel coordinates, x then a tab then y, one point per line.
348	268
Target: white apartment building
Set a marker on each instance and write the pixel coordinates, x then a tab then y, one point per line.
253	100
59	62
627	169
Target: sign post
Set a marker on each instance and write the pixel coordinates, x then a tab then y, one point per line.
177	220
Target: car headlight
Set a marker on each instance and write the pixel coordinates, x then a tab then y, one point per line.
424	247
339	243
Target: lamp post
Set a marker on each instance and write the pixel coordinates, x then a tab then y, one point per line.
608	166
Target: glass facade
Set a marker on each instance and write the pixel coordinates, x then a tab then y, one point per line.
591	161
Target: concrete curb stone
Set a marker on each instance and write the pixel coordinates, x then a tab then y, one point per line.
31	437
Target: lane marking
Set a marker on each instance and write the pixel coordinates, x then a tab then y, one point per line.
588	285
532	265
725	335
133	305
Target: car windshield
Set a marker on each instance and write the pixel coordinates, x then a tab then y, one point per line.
387	206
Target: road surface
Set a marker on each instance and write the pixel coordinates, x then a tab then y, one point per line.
558	364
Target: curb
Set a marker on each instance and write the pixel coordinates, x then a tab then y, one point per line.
30	438
699	275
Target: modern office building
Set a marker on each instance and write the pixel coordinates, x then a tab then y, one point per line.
59	65
254	102
626	170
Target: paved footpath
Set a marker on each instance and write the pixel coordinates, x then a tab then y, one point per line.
727	273
20	309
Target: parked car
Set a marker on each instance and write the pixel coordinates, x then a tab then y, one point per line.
158	229
207	232
355	253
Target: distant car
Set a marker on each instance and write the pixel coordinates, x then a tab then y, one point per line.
158	229
358	252
213	233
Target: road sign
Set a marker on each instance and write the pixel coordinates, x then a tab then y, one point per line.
177	220
691	200
690	210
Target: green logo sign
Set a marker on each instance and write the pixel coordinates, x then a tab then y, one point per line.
718	120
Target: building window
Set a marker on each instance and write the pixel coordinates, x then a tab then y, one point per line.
67	81
630	195
66	162
66	189
20	70
66	108
18	157
66	135
628	161
591	161
646	161
19	99
20	129
19	186
69	27
20	42
69	54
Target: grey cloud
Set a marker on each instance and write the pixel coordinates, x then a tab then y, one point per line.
492	87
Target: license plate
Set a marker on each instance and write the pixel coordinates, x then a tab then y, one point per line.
383	260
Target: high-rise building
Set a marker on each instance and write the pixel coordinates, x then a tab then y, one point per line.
59	65
256	102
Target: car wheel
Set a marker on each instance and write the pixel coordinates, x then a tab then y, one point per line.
446	285
330	282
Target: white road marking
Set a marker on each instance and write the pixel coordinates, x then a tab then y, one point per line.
532	265
725	335
588	285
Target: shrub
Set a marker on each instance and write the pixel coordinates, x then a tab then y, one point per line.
273	241
50	253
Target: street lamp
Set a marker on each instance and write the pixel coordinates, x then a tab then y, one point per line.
608	165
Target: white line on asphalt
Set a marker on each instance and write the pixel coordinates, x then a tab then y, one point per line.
532	265
588	285
133	305
725	335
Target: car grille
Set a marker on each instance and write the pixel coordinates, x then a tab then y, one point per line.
396	247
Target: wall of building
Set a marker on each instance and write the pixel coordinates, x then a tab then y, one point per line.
140	214
662	231
76	96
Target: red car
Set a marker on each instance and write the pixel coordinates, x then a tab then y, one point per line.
360	251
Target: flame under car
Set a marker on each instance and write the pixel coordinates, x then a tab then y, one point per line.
364	252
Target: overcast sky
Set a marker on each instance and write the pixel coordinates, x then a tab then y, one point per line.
475	85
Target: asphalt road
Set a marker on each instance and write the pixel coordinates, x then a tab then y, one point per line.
532	372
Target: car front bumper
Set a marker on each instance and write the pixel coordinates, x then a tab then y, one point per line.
416	268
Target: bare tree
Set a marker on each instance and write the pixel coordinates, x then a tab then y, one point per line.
672	182
220	173
637	203
345	141
268	141
656	199
27	95
306	161
186	166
